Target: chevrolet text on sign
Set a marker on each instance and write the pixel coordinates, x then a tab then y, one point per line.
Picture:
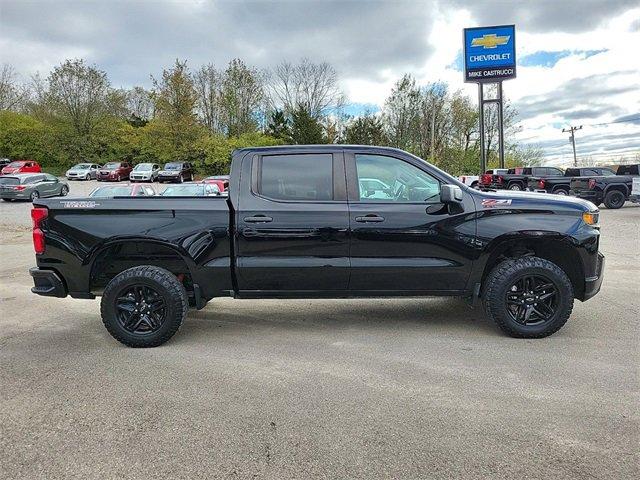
489	53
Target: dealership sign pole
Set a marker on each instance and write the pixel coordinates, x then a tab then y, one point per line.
490	57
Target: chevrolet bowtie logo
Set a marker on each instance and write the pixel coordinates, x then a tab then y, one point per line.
490	40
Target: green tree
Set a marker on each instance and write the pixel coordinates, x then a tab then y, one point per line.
279	126
367	129
306	129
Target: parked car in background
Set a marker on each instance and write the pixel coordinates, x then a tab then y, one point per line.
561	185
176	172
31	186
83	171
145	172
134	190
222	181
192	190
472	181
518	178
4	162
486	177
21	166
114	172
612	190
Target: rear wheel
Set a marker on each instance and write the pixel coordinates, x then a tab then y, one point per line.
144	306
561	191
614	199
528	297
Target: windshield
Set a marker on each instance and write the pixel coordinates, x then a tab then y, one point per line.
9	181
15	164
111	165
81	166
184	191
143	167
111	192
172	166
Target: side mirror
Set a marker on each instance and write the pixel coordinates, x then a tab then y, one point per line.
450	194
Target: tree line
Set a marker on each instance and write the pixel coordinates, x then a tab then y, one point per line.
74	114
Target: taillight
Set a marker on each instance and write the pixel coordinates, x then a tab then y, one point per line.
592	183
541	183
38	214
19	187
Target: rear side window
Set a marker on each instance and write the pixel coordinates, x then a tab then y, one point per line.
34	179
296	177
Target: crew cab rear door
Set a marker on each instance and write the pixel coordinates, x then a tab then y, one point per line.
403	240
292	223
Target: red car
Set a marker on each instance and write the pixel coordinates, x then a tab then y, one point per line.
22	166
222	181
114	172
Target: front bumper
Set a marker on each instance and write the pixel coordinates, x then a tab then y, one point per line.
140	178
47	283
111	177
592	284
168	178
15	194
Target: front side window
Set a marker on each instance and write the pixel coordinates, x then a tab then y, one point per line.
388	179
297	177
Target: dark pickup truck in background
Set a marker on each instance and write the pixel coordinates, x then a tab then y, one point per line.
317	221
612	190
518	178
561	185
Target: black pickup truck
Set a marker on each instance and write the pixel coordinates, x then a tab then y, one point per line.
518	178
320	222
560	185
612	190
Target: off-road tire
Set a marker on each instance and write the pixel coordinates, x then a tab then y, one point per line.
561	191
505	274
614	199
163	282
515	187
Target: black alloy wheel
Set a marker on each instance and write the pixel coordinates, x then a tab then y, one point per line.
614	199
532	300
64	191
140	309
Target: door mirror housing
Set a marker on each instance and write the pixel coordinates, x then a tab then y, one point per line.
450	194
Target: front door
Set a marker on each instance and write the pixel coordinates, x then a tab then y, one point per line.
402	239
293	224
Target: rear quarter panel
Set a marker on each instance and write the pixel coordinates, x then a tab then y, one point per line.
77	230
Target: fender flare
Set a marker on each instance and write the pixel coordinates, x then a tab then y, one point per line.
625	189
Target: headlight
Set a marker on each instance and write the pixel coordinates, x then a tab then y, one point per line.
591	218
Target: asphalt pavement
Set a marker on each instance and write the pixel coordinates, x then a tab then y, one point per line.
274	389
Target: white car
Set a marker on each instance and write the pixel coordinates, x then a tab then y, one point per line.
635	190
83	171
145	172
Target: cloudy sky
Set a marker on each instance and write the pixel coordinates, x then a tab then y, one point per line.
578	60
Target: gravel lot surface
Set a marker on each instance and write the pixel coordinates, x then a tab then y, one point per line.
277	389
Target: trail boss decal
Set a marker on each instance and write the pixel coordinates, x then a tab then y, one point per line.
494	202
80	204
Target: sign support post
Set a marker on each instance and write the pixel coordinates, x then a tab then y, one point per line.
490	57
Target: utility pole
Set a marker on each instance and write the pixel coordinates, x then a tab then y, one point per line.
572	139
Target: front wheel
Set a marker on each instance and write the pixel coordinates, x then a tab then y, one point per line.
64	191
34	195
614	199
561	191
144	306
515	186
528	297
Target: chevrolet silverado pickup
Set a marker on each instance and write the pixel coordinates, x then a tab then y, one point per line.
612	190
560	185
518	178
302	222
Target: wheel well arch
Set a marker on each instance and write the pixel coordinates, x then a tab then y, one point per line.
560	187
556	249
118	256
617	186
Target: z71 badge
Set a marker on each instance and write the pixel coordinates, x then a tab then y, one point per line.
494	202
